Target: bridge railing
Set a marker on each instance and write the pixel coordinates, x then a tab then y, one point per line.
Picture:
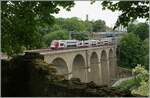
123	72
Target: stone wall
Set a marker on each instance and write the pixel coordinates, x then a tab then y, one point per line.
30	76
123	72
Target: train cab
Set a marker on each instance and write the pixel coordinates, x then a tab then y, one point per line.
57	44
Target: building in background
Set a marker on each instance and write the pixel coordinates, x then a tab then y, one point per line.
114	36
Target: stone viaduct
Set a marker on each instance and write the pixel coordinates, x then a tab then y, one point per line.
96	64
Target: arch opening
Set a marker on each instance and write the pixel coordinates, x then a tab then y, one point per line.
61	67
104	67
94	74
79	69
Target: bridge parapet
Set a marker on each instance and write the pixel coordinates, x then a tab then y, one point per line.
88	64
33	55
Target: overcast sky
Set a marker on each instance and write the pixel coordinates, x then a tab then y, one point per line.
94	11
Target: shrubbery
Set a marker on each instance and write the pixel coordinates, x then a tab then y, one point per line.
142	78
132	51
139	84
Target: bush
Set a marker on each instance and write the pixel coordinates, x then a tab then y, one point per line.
139	84
142	77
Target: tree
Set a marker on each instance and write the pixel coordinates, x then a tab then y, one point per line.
74	24
99	26
56	35
88	25
63	26
80	36
138	52
145	48
131	10
130	50
20	20
140	29
131	28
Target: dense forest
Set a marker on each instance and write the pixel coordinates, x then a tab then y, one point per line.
62	28
134	46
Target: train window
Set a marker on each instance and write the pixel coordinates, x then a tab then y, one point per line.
61	44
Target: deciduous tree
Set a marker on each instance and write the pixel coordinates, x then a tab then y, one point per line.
131	10
99	26
20	20
130	51
140	29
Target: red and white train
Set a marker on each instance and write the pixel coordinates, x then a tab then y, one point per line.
62	44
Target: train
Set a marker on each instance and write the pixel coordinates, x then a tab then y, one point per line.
63	44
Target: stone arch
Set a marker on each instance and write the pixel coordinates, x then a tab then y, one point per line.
104	67
61	66
94	74
111	64
78	68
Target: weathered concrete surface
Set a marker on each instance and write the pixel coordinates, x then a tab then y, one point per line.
96	64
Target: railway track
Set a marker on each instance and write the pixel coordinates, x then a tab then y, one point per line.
51	50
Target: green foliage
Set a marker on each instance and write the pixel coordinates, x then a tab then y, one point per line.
130	50
141	73
127	85
142	76
131	28
56	35
89	26
138	84
63	27
74	24
145	48
99	26
140	29
131	10
20	20
142	90
80	36
139	53
77	25
56	27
